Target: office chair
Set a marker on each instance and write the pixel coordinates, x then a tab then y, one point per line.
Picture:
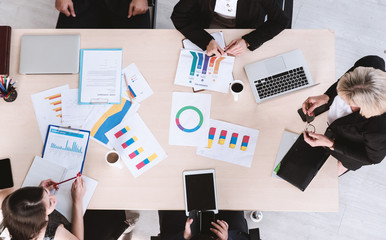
153	11
104	224
287	6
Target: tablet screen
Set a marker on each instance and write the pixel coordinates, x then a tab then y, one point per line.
6	180
200	192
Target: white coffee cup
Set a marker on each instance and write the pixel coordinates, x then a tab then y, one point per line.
236	87
113	159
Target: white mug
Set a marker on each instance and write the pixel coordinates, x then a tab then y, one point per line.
236	87
113	159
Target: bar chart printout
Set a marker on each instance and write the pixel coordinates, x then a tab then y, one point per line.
66	147
136	145
231	143
198	70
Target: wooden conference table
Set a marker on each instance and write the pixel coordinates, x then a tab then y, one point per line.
156	54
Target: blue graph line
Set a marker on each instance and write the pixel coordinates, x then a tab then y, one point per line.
74	148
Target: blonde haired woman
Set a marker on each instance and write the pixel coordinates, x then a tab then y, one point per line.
356	135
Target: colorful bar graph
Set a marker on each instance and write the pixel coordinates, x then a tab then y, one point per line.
194	63
244	143
211	62
233	142
217	65
222	138
131	93
53	96
56	102
212	131
129	142
206	61
200	59
146	161
121	132
57	109
135	153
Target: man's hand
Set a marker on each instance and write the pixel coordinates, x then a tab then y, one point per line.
237	47
137	7
214	49
221	229
188	230
66	7
317	140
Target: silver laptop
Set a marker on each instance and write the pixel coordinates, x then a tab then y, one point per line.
278	75
49	54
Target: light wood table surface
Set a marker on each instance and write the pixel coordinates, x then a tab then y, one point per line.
156	53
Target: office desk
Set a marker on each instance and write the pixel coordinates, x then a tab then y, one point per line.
156	53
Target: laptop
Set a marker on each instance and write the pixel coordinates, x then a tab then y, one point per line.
49	54
278	75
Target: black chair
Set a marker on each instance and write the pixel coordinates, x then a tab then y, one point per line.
152	10
254	234
104	224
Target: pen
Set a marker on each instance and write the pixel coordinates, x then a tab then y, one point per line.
77	175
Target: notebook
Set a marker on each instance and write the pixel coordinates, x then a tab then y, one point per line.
49	54
278	75
301	163
42	169
5	48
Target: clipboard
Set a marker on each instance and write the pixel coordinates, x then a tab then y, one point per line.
66	146
100	76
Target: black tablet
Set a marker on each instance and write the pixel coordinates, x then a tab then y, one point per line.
6	180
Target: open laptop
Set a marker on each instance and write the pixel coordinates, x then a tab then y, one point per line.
278	75
49	54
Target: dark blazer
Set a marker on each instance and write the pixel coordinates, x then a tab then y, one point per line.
190	17
358	140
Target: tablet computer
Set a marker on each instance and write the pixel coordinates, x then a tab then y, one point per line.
6	180
200	190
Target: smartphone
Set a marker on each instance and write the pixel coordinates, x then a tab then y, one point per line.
206	222
319	110
6	180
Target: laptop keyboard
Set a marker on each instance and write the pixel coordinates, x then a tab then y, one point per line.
281	82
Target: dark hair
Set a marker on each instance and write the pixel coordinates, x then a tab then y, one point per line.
24	213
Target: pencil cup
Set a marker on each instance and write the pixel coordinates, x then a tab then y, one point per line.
113	159
236	87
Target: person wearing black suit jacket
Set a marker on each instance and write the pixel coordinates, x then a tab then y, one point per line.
103	14
356	135
191	17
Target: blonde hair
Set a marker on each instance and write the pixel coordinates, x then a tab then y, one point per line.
364	87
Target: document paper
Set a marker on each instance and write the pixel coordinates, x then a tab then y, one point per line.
100	76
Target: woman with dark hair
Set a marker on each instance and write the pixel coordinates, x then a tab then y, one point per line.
29	213
191	17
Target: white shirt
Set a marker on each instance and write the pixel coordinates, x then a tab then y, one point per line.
226	8
339	108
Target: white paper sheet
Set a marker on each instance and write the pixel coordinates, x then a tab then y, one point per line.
74	114
287	140
136	145
138	88
100	76
198	70
226	152
48	108
189	119
42	169
218	37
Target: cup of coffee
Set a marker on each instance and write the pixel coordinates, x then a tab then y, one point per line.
236	87
112	158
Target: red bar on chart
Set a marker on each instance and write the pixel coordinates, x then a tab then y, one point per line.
121	132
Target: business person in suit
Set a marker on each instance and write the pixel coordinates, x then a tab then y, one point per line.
174	225
103	14
356	135
191	17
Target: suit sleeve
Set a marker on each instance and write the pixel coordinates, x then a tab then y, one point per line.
371	151
184	19
276	22
168	236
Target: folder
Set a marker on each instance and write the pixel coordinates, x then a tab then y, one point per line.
301	163
5	48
